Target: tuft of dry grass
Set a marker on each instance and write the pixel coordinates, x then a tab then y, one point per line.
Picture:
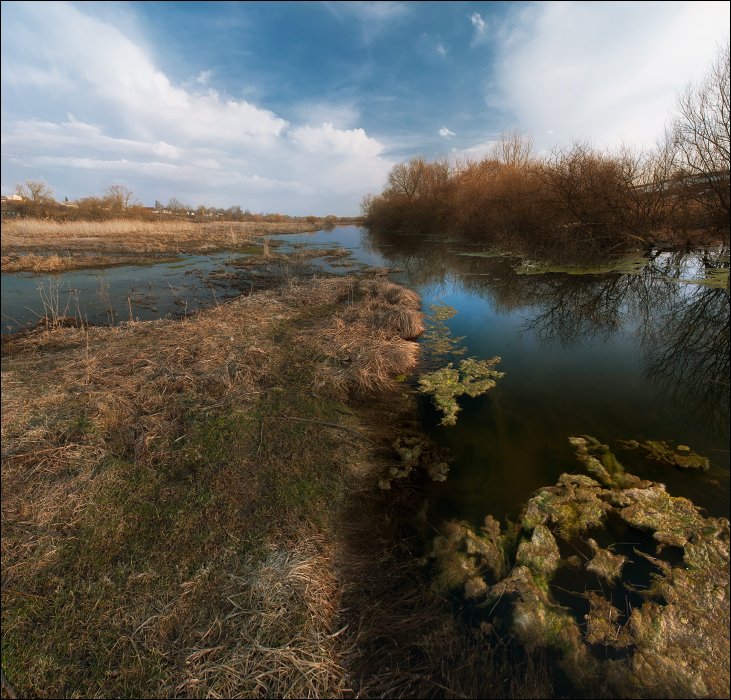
128	235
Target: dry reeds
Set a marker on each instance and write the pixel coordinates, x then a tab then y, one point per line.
282	622
128	235
31	262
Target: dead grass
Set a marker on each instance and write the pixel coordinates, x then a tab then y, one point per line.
165	533
58	263
127	236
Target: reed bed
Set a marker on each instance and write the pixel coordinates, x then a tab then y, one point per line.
128	235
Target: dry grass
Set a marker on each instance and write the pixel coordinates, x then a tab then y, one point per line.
58	263
165	531
127	236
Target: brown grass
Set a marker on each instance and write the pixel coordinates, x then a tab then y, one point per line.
125	235
165	532
58	263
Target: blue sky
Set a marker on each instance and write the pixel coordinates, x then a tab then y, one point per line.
304	107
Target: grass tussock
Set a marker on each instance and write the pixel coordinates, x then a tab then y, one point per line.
128	235
169	491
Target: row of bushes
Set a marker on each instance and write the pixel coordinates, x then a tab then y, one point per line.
579	198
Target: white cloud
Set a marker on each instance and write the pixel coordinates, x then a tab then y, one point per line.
476	151
446	133
203	77
480	25
605	72
441	49
343	115
164	139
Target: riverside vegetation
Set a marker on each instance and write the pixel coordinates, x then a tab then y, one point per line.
192	508
578	201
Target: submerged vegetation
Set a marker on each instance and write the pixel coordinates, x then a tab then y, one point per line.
666	638
472	377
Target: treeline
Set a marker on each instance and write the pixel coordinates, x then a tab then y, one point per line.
35	199
577	199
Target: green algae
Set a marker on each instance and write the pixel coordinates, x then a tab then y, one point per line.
605	563
631	265
473	378
717	277
675	644
415	452
680	456
437	340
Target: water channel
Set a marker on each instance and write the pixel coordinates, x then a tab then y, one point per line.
635	356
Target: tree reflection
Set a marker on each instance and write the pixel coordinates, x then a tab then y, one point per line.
682	330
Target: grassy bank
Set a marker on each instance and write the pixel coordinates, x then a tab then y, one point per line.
170	492
130	236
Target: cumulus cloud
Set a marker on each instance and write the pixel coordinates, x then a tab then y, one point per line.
167	140
441	49
446	133
605	72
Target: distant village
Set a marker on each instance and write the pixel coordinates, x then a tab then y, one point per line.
35	199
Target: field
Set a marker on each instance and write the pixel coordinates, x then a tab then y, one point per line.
129	236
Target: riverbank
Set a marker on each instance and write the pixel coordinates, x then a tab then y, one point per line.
171	490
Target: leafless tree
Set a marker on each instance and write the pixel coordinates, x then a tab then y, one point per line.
513	149
119	197
34	191
702	136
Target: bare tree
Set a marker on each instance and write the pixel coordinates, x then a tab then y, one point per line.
34	191
702	136
405	178
119	197
513	149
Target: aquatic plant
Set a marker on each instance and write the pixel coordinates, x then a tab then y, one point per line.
474	378
674	644
437	341
680	456
416	452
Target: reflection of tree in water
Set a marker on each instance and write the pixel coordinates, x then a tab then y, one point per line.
683	330
689	354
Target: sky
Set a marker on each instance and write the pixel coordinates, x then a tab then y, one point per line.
303	108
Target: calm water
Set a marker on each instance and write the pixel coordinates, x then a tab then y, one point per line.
637	356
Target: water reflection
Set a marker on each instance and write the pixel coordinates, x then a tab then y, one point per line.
620	354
